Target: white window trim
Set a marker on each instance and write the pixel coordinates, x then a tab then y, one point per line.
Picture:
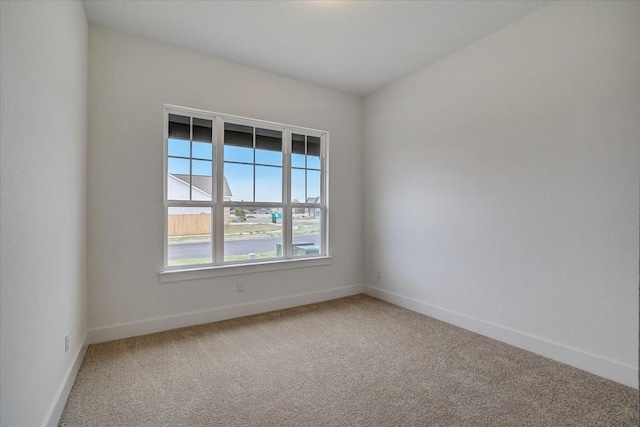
218	267
179	275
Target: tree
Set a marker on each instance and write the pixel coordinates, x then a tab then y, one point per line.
240	214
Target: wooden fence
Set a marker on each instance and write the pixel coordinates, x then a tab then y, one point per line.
185	224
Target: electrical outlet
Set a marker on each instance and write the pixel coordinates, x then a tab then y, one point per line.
240	287
66	342
378	275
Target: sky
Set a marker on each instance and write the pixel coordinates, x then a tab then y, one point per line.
239	170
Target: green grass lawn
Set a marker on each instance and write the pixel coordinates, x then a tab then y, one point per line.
190	238
241	230
261	255
305	229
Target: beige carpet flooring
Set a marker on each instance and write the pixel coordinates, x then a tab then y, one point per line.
355	361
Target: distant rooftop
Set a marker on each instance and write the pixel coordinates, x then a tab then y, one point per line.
202	183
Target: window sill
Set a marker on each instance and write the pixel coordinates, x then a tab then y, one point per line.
179	275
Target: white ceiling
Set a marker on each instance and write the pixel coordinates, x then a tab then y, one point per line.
353	46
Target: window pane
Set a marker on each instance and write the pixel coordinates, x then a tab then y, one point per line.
202	130
238	154
313	186
252	234
238	143
269	157
313	162
178	166
253	171
268	184
201	167
306	232
313	146
178	187
201	180
298	186
202	150
297	143
238	135
313	152
297	160
179	127
240	181
178	147
297	151
268	147
189	236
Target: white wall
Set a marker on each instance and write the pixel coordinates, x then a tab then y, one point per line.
501	186
129	81
43	68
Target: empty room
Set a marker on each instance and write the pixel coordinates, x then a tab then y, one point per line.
319	213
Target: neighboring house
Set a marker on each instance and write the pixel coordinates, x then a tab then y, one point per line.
262	211
299	211
315	213
178	189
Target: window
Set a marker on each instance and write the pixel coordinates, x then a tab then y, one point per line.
242	191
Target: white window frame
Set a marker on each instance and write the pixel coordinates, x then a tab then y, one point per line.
218	267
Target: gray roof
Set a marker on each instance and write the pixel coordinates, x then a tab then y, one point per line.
203	183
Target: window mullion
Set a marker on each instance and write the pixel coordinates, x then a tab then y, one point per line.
287	213
324	183
165	187
306	170
190	158
254	164
218	231
214	192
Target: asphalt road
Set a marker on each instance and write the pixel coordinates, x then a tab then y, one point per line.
234	247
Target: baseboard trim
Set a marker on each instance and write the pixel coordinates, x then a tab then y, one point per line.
159	324
55	412
593	363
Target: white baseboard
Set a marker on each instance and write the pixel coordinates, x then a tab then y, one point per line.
53	416
166	323
598	365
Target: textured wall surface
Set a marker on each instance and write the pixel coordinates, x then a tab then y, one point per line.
130	79
43	86
511	170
